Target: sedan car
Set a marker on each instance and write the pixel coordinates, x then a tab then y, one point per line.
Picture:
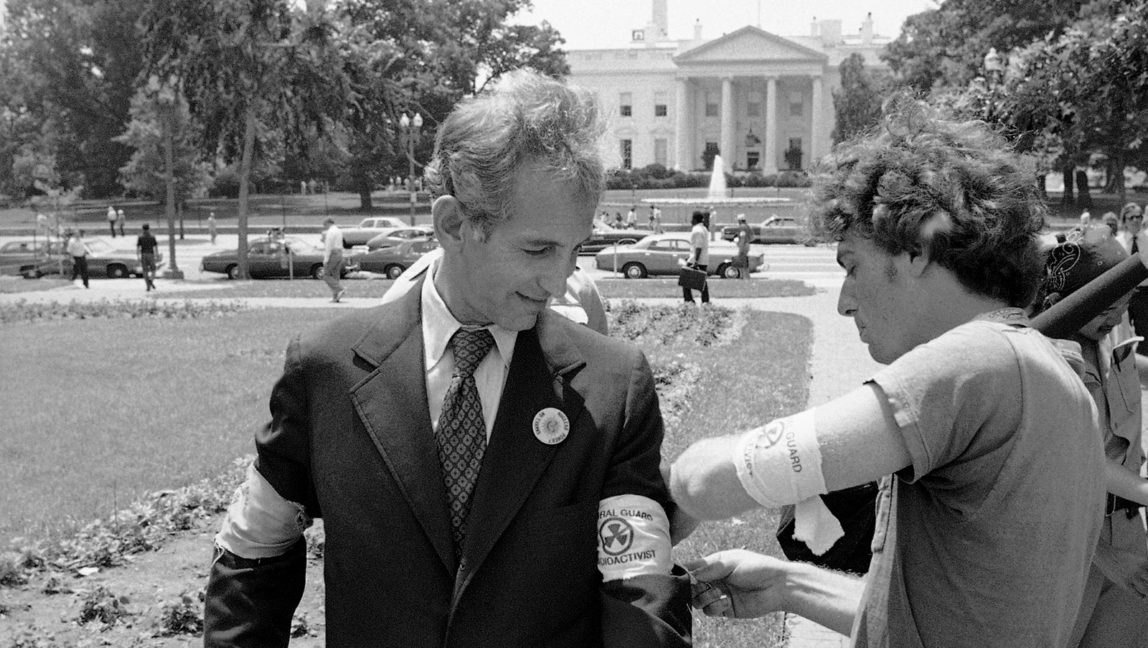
369	228
775	229
17	254
391	261
605	236
269	258
104	260
399	235
664	254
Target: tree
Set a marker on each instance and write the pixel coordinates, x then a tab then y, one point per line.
74	63
946	46
1089	86
246	65
858	103
424	56
144	172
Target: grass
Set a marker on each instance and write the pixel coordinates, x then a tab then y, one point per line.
98	411
610	289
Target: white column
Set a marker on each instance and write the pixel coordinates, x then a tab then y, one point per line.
728	152
683	128
817	130
770	162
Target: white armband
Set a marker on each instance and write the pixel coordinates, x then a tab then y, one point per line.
780	463
633	537
259	522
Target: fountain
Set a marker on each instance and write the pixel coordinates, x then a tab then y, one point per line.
717	181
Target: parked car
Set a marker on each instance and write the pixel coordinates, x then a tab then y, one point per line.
17	254
605	236
399	235
369	228
391	261
664	254
104	260
269	258
775	229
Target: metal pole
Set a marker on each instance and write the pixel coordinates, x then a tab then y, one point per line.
411	165
173	271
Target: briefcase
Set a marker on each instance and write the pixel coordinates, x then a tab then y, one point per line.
692	278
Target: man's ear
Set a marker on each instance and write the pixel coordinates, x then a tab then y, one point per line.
448	217
918	262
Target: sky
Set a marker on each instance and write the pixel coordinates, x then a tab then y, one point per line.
587	24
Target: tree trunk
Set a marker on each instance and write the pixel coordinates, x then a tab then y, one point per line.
365	203
1083	198
1068	174
244	180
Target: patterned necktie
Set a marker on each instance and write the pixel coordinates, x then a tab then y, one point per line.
1135	248
461	434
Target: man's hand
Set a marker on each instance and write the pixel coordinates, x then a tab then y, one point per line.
1127	569
739	583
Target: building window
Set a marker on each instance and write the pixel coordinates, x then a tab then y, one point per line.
708	154
627	154
793	154
796	105
711	105
752	158
659	104
753	105
661	146
626	101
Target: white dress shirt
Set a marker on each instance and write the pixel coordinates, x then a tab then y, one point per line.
490	376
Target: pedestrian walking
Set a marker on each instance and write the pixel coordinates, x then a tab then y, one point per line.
211	231
112	216
145	248
79	254
120	220
699	258
333	259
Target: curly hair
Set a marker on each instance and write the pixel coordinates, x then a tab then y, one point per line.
952	189
525	117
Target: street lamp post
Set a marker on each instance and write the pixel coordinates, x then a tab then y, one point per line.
164	93
411	128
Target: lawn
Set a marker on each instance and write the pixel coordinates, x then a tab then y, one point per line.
147	404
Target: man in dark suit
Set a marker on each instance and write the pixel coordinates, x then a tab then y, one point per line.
486	469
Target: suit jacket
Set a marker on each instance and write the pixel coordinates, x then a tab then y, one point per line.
350	438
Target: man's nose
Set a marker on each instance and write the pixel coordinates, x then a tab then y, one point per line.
846	304
554	281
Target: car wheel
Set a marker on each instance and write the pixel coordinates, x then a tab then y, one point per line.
634	271
317	271
393	271
117	271
728	271
233	271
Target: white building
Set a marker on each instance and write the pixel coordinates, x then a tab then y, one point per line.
763	101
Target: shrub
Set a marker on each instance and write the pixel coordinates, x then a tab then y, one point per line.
225	184
184	616
103	606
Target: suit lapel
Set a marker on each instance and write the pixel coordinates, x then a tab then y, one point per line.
393	408
515	459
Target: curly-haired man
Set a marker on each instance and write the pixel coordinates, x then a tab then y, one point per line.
984	438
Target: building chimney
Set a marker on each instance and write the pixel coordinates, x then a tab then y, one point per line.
661	21
813	28
830	33
867	29
698	29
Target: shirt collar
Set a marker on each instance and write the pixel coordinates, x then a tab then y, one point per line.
439	325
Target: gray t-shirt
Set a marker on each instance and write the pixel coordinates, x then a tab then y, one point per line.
993	525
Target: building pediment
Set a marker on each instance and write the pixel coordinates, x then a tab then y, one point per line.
749	44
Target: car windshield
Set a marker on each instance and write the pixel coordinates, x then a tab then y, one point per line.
99	246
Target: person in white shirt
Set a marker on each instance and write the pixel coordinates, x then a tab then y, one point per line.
333	259
699	255
79	254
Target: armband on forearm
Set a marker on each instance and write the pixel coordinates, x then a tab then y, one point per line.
780	463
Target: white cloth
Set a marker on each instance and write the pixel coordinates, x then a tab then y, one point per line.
76	247
700	238
438	326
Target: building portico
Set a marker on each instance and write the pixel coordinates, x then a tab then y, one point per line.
758	99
